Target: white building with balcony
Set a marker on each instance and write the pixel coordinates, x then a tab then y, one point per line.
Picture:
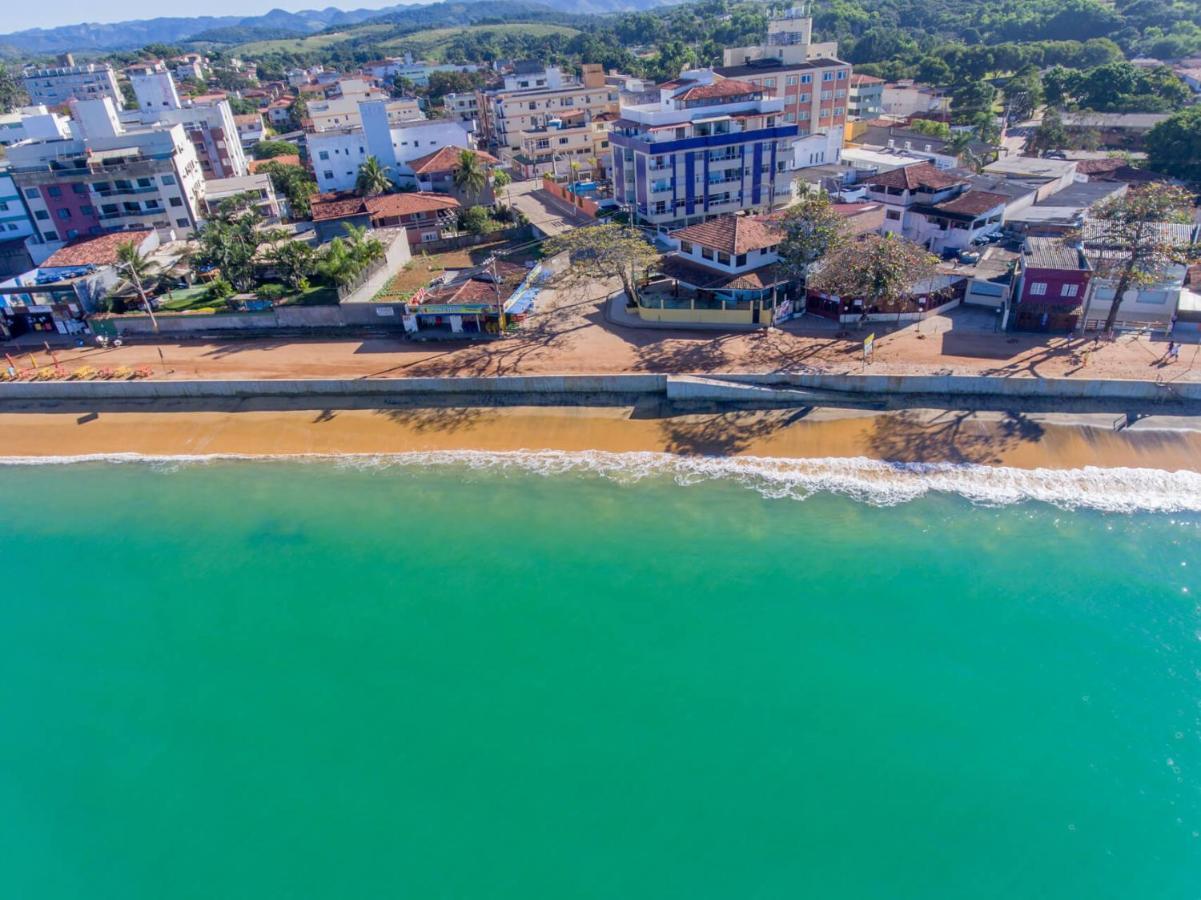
709	147
337	154
109	176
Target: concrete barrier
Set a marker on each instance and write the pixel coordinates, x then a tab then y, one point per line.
394	387
781	388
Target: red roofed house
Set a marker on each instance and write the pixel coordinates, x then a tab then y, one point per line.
935	208
435	173
423	216
1052	282
72	281
723	271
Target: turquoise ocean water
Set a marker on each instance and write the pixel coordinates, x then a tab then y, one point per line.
472	679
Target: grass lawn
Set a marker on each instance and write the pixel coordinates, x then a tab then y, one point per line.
188	299
317	295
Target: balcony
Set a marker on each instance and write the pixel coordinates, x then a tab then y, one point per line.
116	192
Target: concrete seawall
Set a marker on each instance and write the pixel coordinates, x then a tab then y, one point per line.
781	389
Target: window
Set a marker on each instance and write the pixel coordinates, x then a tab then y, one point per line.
54	191
769	82
706	253
827	76
740	259
893	215
50	235
324	154
3	206
1038	288
1069	290
31	193
86	210
79	187
145	182
685	247
842	75
182	223
790	80
41	215
176	201
806	79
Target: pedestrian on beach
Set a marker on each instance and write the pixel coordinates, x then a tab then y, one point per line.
1174	352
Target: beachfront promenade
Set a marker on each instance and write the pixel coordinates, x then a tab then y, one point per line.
570	334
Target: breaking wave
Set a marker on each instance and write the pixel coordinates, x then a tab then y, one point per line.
866	480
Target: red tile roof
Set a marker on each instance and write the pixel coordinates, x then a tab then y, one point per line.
100	250
727	87
859	78
386	206
911	178
972	203
447	160
732	234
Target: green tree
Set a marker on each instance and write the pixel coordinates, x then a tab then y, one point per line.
603	252
1135	248
231	238
812	229
1050	133
475	220
469	175
294	183
136	271
372	179
296	262
882	271
501	180
930	127
272	149
1174	145
12	93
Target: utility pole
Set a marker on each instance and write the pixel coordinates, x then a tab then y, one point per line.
500	307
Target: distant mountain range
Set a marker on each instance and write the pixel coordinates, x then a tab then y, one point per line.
115	36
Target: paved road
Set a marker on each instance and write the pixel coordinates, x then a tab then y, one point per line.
546	213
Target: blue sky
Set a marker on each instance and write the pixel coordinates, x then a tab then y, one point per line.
19	16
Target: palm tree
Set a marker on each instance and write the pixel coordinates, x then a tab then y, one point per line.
575	172
372	179
469	176
136	270
364	249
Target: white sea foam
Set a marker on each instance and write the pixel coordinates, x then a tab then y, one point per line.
866	480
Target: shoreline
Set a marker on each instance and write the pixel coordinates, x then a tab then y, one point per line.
1039	441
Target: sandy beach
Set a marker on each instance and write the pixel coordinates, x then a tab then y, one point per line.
1024	441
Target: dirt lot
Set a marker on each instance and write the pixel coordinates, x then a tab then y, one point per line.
571	334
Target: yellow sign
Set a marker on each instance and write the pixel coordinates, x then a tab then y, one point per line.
869	344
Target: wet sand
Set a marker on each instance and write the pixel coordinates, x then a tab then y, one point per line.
1024	441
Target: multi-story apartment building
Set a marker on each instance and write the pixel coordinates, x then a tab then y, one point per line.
15	219
573	144
32	123
55	85
108	177
534	96
207	120
710	146
789	39
337	154
866	97
813	83
463	107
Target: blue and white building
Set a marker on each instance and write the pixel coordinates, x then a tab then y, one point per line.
710	146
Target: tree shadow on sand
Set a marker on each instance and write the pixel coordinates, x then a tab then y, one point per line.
955	437
444	420
724	433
